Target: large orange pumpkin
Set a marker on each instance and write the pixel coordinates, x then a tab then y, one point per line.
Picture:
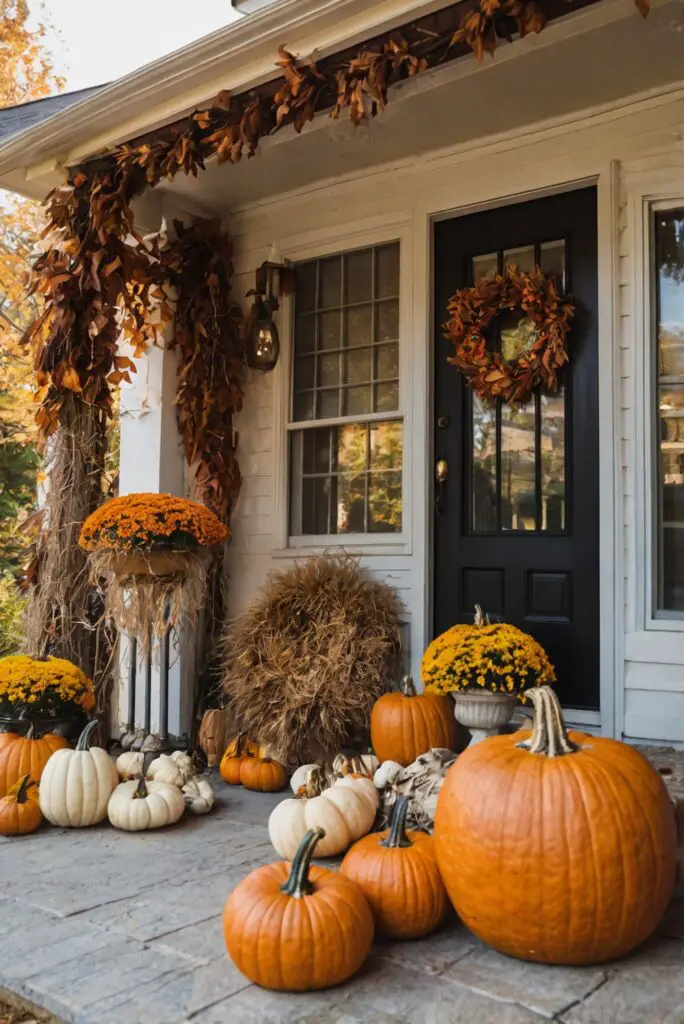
19	811
398	874
24	755
405	724
295	927
556	847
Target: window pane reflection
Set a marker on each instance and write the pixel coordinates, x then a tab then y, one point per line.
346	479
518	496
553	462
669	239
484	466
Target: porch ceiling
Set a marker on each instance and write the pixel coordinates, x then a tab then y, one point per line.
595	58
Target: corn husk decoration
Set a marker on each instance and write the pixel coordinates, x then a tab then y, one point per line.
421	783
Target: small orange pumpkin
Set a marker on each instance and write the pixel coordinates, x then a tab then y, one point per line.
19	810
586	820
262	773
25	755
398	874
231	762
405	724
297	928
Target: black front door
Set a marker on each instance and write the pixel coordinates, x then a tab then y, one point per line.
517	517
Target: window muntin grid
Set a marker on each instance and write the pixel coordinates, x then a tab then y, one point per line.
346	335
346	477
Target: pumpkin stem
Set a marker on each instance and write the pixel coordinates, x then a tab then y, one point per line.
29	731
397	837
407	686
298	884
141	789
84	738
480	619
21	790
549	732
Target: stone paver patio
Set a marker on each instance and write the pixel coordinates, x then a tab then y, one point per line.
101	926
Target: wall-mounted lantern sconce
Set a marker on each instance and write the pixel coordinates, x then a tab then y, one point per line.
262	342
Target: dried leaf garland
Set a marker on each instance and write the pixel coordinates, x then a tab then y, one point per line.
208	338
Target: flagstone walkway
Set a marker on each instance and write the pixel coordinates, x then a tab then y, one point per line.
105	927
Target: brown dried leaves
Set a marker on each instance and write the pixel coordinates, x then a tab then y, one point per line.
472	310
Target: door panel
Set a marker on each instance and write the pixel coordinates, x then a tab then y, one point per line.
516	520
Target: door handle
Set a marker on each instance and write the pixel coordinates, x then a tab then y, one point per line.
441	470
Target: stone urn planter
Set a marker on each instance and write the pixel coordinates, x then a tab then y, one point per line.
482	712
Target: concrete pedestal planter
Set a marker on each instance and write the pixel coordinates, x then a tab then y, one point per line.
482	712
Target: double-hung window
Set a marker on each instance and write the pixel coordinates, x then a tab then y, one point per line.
345	425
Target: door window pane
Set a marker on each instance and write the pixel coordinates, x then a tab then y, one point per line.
522	258
484	500
485	266
552	443
552	261
518	493
669	247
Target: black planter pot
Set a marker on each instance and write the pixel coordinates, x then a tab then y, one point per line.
68	726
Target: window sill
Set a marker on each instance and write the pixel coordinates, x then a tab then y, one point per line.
359	544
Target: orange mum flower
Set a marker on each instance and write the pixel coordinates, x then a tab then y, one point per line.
151	520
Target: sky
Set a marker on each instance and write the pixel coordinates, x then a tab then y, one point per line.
102	42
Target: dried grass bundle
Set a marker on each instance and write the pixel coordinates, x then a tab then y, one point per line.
307	660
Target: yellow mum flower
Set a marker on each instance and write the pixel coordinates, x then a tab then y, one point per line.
495	656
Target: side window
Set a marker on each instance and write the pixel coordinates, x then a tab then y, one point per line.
345	426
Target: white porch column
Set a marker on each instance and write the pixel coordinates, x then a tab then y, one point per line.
152	460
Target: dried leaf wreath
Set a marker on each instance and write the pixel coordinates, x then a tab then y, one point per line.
490	374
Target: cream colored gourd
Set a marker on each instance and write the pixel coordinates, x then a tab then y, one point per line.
345	811
199	796
130	765
139	805
176	769
76	785
387	773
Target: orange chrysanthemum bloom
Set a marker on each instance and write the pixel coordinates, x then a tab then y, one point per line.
145	521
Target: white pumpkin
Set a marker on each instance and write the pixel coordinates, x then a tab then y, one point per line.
183	763
345	811
299	776
76	785
199	796
130	764
165	769
135	806
387	773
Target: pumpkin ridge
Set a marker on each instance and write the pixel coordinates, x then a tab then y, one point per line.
650	826
607	781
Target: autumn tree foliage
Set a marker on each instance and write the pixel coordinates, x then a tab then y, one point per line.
27	74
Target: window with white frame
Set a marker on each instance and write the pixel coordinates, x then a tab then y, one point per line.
668	234
345	428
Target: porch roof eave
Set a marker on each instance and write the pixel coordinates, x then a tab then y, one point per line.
238	57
